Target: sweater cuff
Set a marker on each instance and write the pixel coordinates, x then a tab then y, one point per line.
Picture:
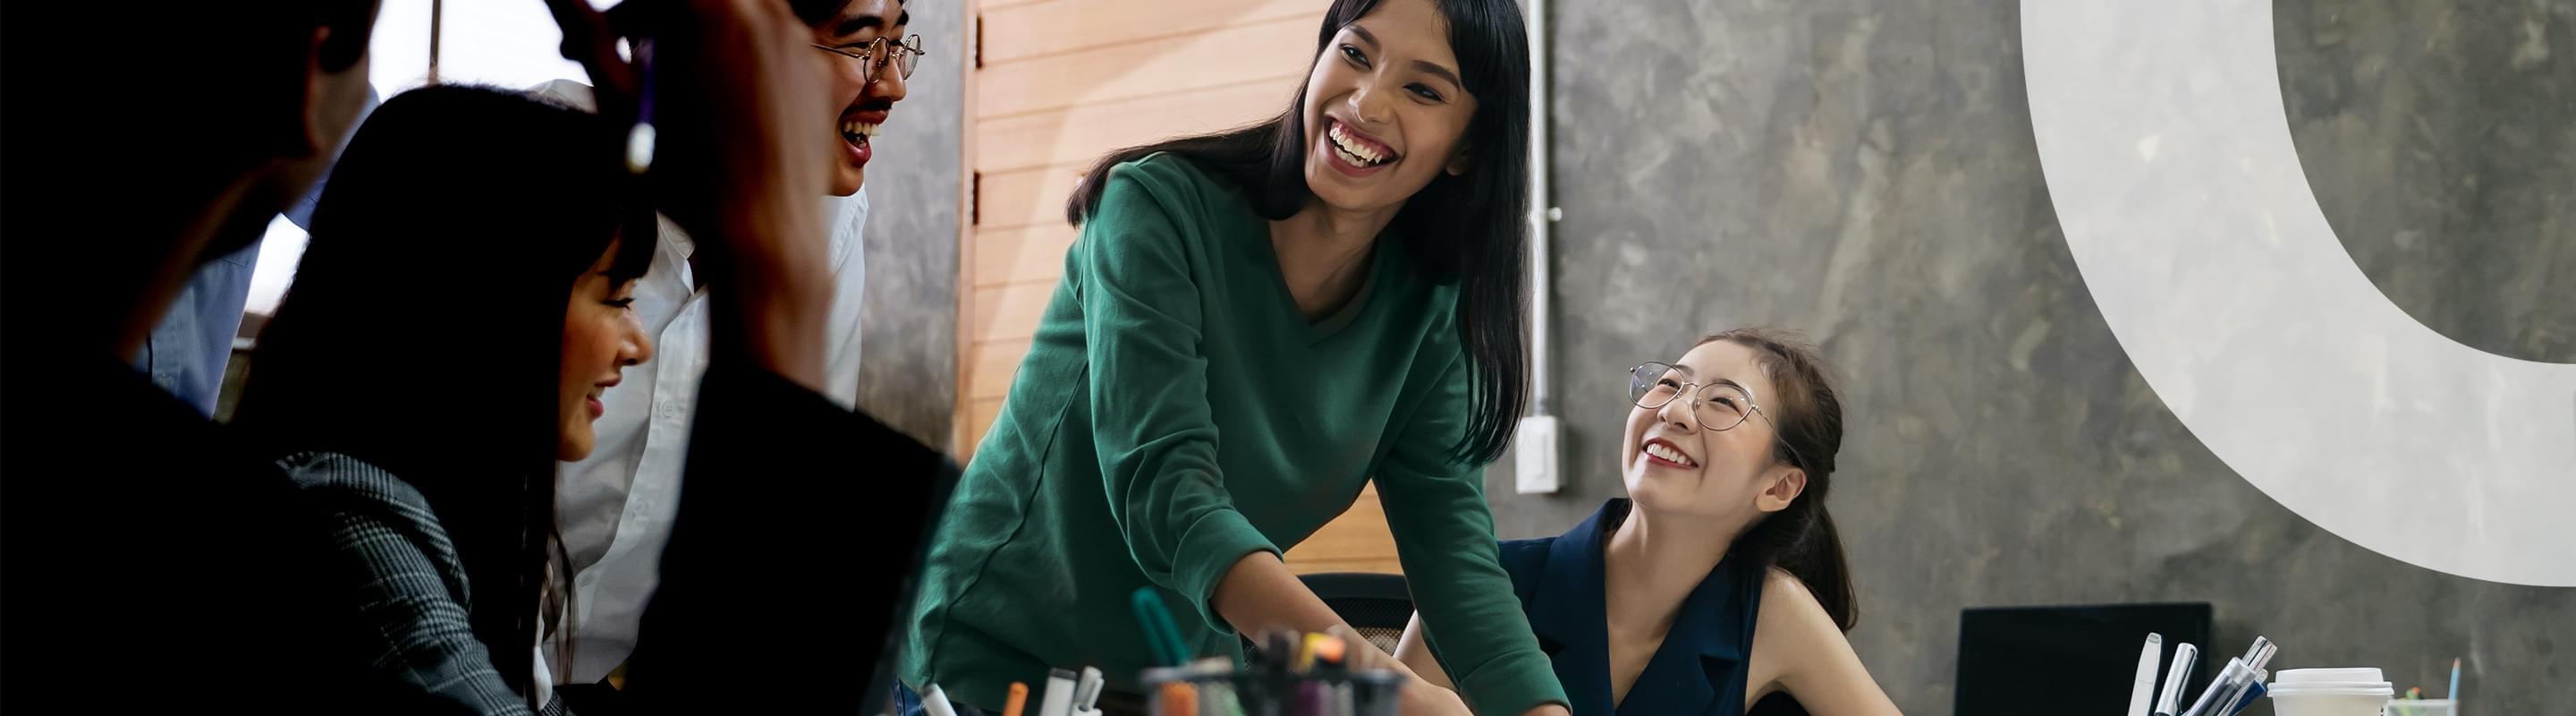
1213	544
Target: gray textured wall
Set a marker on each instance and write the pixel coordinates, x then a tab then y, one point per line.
908	377
1865	172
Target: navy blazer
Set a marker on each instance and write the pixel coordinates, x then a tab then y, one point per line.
1699	669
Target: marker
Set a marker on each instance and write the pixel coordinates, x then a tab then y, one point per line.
1330	651
1019	699
1161	632
2454	693
1058	700
935	701
1178	699
1086	693
2143	689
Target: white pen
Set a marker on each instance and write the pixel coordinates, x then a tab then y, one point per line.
2144	689
1086	693
1059	694
935	701
2177	677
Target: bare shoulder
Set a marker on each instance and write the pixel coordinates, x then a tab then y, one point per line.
1799	648
1788	603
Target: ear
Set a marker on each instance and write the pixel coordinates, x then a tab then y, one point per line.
1460	162
1786	484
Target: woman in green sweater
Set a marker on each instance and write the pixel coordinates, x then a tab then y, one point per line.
1253	325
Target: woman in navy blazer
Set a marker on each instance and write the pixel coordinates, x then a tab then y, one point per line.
1656	604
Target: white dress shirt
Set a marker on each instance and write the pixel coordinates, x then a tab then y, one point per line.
615	507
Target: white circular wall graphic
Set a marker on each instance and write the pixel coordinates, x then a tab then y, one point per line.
2168	157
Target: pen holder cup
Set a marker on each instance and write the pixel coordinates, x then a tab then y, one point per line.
1178	691
2425	707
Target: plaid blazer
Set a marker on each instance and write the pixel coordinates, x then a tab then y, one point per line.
403	576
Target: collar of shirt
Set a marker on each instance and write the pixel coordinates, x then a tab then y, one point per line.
1568	613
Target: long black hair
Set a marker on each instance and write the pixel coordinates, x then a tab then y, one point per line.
1465	230
1807	412
424	331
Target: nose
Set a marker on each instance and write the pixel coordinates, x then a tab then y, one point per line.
890	84
638	347
1680	411
1368	104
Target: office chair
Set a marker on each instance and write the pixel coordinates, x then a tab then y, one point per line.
1378	605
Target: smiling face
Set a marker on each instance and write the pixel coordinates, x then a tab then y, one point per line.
601	336
862	97
1385	111
1675	463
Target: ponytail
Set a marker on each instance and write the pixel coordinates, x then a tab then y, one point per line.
1808	413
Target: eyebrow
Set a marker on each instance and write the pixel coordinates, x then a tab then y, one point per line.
1426	66
1365	35
852	24
1438	71
1694	375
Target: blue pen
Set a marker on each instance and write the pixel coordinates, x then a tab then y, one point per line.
2255	691
2454	693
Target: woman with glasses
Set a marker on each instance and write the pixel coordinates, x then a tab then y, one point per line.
1254	325
1719	580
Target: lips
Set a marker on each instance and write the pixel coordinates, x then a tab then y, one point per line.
857	129
592	400
1664	452
1352	152
1356	146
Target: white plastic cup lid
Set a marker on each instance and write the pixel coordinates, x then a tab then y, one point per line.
2330	682
2302	676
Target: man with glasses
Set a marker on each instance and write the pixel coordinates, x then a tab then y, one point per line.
615	508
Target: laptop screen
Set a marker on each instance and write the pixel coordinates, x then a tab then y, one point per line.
2074	659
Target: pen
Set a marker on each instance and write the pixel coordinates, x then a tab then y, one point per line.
2177	677
2253	691
2454	693
2232	681
2143	688
1058	700
935	701
2223	690
1086	693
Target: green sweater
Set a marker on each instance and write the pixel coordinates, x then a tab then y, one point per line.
1177	413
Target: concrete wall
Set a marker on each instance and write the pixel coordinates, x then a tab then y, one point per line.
909	330
1865	172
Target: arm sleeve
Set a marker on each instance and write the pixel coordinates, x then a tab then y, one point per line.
1152	427
1444	536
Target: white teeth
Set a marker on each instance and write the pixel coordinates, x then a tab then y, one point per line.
1666	452
1358	152
863	129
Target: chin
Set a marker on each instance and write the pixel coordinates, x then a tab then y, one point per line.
573	449
847	181
1649	491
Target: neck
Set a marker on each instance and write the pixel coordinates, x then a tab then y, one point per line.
1322	252
1652	565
